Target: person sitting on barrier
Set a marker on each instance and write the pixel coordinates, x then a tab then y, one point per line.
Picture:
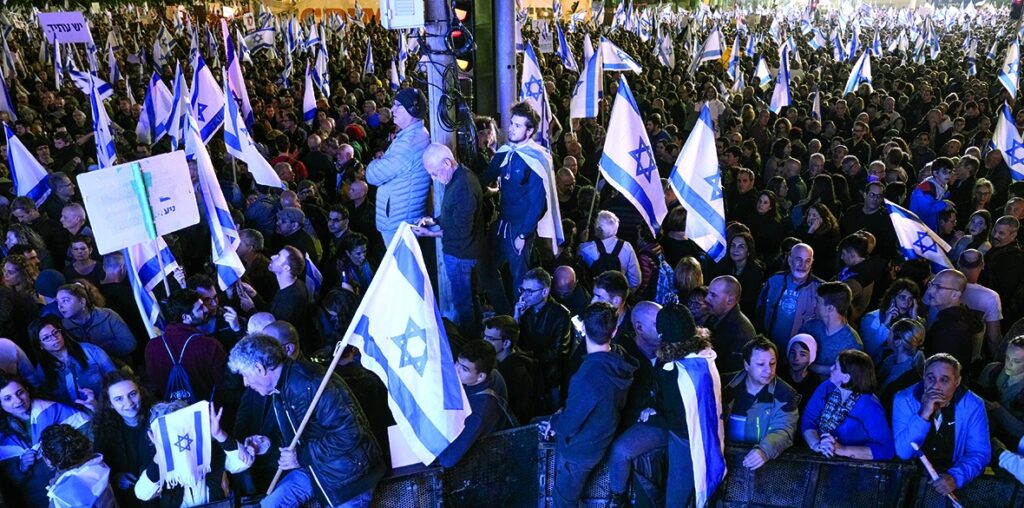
946	421
475	366
1000	385
843	417
585	427
802	351
758	407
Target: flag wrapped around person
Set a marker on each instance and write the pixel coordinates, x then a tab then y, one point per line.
701	391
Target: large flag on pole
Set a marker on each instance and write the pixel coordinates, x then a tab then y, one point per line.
106	156
565	52
398	328
176	119
614	59
309	99
697	182
628	161
1008	141
155	110
916	239
860	73
223	231
533	92
207	101
711	50
143	267
235	81
1009	74
238	142
586	98
781	96
29	176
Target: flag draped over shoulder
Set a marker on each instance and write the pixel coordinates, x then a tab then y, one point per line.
29	176
628	160
701	391
182	442
917	240
697	182
399	330
43	414
538	159
1008	141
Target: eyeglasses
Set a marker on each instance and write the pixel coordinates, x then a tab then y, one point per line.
940	286
530	291
53	335
492	337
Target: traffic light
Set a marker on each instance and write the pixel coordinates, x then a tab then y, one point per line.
1015	8
461	36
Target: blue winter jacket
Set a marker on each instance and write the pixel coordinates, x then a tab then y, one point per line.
865	425
971	446
402	182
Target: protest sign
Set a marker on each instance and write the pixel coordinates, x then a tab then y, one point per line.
66	27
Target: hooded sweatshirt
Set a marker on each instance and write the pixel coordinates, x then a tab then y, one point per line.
597	394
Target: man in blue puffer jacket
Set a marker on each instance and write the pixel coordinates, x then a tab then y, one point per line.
402	182
946	421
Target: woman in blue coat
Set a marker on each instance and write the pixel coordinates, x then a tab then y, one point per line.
843	417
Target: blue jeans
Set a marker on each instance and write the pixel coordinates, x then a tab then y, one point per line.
502	250
570	480
460	280
297	487
634	442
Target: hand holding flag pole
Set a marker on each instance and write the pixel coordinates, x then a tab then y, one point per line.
933	474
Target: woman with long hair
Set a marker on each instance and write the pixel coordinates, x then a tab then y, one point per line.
821	191
20	234
67	368
901	300
120	424
20	274
81	478
767	224
976	235
820	230
742	263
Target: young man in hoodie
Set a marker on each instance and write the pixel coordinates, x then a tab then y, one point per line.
585	427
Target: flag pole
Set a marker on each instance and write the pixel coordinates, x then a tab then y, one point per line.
338	348
139	186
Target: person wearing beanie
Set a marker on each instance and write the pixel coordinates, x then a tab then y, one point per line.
46	287
401	180
801	352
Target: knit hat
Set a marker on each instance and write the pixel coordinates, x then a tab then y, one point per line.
48	281
675	324
806	340
413	101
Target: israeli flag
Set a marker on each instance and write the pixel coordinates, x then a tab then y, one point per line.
394	81
781	96
838	53
159	54
816	105
284	80
712	50
368	67
320	75
106	155
8	60
628	161
763	75
6	104
398	329
1007	140
734	59
751	49
854	46
916	239
176	118
223	231
291	35
314	279
29	176
182	445
89	82
664	50
586	97
193	49
739	84
58	66
156	109
614	59
588	47
238	142
876	46
261	39
115	70
992	50
565	52
860	73
818	41
1009	74
700	388
538	159
697	182
309	99
532	91
972	59
235	81
207	101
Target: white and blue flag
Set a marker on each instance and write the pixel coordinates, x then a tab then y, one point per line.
235	81
155	110
614	59
106	155
1009	73
531	90
860	73
89	82
1007	140
818	41
368	67
816	105
916	239
733	70
58	66
700	388
314	279
393	80
308	99
6	104
399	331
207	101
238	142
284	80
28	174
628	162
565	52
320	75
763	75
223	231
262	38
697	182
176	118
664	50
183	446
781	96
586	97
144	274
710	51
876	46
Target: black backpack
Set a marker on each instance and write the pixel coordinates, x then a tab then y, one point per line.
606	261
179	387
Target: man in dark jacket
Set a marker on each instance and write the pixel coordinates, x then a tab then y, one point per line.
337	462
730	328
952	327
517	368
544	333
475	367
585	428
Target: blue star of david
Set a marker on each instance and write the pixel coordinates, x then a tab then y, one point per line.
1012	69
411	331
715	181
1012	152
200	109
533	89
638	155
188	443
922	245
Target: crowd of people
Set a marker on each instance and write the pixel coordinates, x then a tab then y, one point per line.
819	330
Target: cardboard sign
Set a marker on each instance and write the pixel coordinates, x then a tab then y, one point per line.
546	38
66	27
115	208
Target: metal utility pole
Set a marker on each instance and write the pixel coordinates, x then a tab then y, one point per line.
505	56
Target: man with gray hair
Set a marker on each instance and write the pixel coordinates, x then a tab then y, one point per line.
290	231
609	252
458	226
337	461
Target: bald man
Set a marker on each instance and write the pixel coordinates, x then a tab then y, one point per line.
730	328
566	291
952	327
362	215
